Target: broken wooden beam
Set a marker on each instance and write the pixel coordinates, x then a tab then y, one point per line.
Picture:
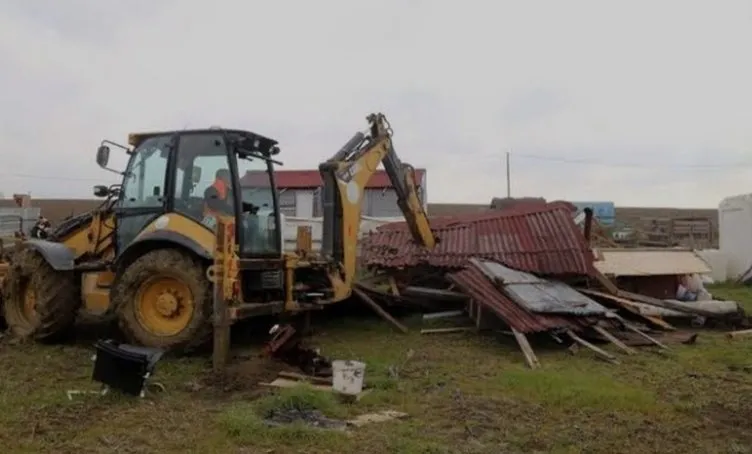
308	378
457	329
597	350
740	333
393	286
607	283
436	294
644	335
530	358
445	314
614	340
666	304
379	310
629	306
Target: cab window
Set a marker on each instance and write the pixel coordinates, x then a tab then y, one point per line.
201	157
144	181
258	221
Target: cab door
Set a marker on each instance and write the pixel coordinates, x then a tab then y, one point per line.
144	189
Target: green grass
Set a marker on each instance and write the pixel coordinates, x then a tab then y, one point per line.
464	393
734	292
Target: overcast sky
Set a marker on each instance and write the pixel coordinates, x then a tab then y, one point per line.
645	103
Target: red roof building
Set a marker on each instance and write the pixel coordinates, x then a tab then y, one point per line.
311	179
299	193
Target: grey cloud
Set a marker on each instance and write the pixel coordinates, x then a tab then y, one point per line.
460	85
91	22
532	106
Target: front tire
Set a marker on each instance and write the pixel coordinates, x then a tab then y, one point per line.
163	300
39	302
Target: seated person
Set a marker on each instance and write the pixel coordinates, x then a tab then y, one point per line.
218	198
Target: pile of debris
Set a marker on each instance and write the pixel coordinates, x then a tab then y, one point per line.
528	269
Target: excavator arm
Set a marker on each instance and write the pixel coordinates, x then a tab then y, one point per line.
345	176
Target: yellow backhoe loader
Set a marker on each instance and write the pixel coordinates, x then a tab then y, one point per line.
147	254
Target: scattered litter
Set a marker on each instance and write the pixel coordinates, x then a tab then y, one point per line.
288	380
348	377
382	416
287	345
76	392
290	383
124	367
313	418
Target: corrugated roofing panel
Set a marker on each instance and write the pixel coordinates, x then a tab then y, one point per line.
539	295
542	240
475	284
650	262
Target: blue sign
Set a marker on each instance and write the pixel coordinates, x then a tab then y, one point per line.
604	212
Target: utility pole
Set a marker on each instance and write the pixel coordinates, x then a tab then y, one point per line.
509	181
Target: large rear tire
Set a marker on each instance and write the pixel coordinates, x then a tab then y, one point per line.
163	300
39	302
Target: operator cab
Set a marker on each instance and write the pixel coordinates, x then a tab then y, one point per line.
173	171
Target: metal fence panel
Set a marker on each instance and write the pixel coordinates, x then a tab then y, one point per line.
17	219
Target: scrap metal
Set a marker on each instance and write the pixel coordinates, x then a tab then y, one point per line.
539	295
474	282
542	240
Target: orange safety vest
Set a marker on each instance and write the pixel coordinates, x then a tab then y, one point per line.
221	188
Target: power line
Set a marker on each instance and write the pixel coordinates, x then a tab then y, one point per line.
586	161
47	177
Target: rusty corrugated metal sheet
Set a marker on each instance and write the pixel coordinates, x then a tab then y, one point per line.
536	294
475	284
542	240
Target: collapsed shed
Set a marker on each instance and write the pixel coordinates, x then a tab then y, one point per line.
515	265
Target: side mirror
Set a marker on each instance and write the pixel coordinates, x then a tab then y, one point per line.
101	191
103	156
195	175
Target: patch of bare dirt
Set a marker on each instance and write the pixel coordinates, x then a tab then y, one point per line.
243	375
57	424
728	421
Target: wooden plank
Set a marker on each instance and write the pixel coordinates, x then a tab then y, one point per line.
741	333
630	307
598	351
457	329
606	283
530	358
393	286
445	314
287	383
610	337
666	304
376	308
644	336
301	377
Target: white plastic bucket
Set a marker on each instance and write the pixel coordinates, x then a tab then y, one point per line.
348	376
